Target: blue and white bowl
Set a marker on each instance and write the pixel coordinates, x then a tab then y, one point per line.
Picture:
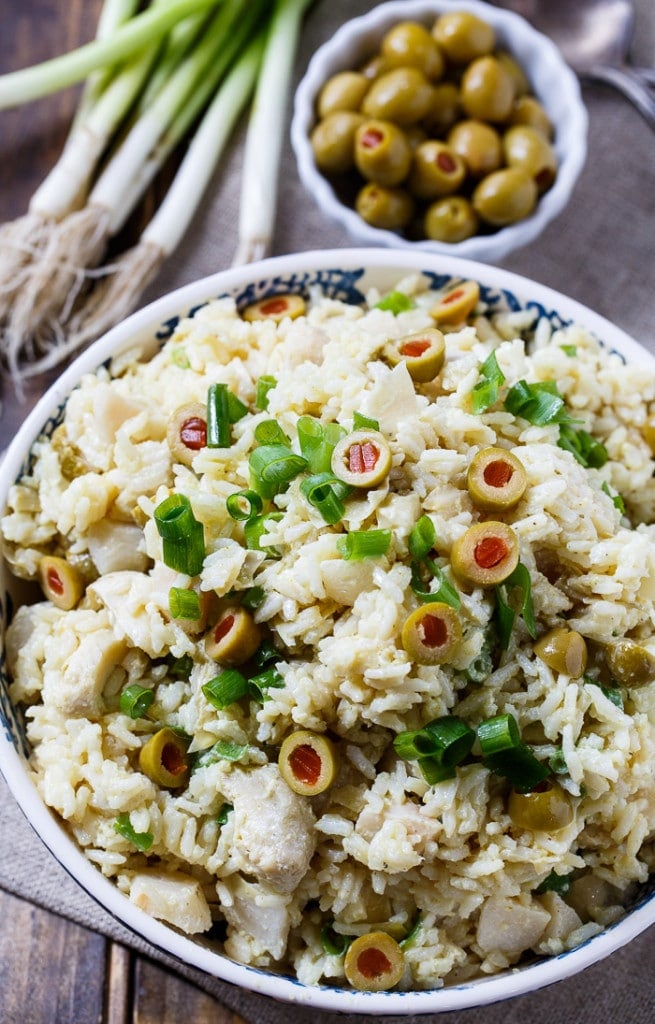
344	274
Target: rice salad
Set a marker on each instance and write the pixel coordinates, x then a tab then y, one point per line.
309	677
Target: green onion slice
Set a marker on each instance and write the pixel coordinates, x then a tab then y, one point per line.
617	500
135	700
182	535
236	409
360	544
589	452
222	750
252	598
539	403
260	684
183	604
180	668
395	302
485	392
224	811
554	883
333	943
218	417
270	432
421	538
557	763
244	505
272	467
445	592
361	422
225	689
570	350
255	528
505	614
142	840
264	385
497	734
265	653
505	754
321	491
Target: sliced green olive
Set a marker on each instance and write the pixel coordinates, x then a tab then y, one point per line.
457	303
362	458
60	582
374	962
564	651
187	432
165	760
496	479
422	352
630	663
275	307
486	554
308	762
234	638
547	809
431	633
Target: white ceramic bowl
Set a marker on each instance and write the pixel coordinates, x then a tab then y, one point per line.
345	274
553	83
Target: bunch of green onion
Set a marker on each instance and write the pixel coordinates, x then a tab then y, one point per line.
176	70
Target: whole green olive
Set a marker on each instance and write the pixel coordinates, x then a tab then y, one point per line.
631	664
437	170
504	197
333	141
528	110
563	650
445	109
343	91
374	67
527	148
451	219
410	44
382	152
463	36
402	95
487	90
389	208
479	146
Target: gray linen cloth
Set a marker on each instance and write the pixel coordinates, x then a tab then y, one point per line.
599	251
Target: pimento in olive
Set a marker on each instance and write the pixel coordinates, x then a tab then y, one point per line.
422	352
234	638
60	582
308	762
374	962
486	554
275	307
187	432
431	633
496	480
164	759
457	303
361	458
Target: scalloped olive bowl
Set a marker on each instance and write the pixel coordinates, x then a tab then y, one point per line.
345	274
552	82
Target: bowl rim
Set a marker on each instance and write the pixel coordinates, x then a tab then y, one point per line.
144	323
571	144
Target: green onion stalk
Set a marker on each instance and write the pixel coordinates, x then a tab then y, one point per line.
77	245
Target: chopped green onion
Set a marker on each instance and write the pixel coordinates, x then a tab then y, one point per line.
434	771
570	350
142	840
320	491
503	753
414	744
554	883
260	684
612	693
310	436
317	443
264	385
255	528
272	466
485	392
557	763
183	604
439	746
236	409
333	943
539	403
270	432
180	668
267	651
181	533
445	592
361	422
482	666
224	811
414	929
253	597
617	500
422	537
135	700
589	452
180	358
222	750
218	418
360	544
395	302
505	614
235	505
225	689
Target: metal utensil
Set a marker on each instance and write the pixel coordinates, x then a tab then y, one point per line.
594	37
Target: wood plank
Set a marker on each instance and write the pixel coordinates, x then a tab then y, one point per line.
50	969
118	987
163	998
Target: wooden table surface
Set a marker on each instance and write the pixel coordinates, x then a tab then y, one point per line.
53	971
